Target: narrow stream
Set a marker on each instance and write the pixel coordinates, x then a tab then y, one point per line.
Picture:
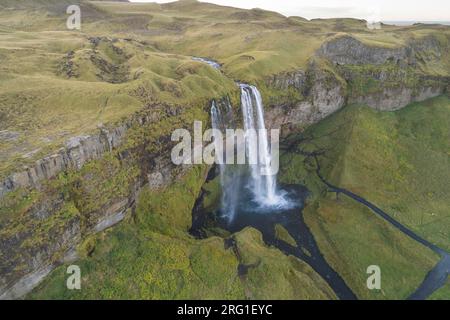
437	277
306	249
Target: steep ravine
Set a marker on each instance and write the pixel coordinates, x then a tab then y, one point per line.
94	184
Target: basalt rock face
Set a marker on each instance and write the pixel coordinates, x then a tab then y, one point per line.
52	225
324	93
348	50
295	79
347	71
25	258
78	150
389	78
390	99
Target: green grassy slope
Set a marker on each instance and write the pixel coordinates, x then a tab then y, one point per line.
352	239
401	162
398	161
442	294
58	84
152	256
251	44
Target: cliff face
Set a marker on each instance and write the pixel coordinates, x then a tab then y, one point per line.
348	71
323	94
348	50
51	208
78	150
390	99
383	78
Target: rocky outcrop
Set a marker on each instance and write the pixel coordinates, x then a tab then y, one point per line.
348	50
27	257
49	232
324	88
296	79
391	99
323	91
39	261
350	71
77	151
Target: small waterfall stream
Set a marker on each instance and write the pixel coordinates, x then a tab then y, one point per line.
230	176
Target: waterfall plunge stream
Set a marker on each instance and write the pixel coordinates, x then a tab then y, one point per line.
251	187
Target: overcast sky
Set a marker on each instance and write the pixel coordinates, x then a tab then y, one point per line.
373	10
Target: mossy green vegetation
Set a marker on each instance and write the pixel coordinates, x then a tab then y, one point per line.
212	197
371	79
101	181
282	234
398	161
170	211
352	238
151	255
270	274
56	83
15	219
67	207
169	263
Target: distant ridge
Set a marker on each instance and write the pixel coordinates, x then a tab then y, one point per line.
411	23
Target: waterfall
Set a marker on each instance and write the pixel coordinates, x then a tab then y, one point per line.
260	182
263	185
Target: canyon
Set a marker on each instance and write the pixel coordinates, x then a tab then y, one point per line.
95	180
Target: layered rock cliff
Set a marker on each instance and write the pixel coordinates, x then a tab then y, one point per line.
50	209
348	71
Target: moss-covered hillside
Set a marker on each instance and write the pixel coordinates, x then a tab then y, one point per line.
397	160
